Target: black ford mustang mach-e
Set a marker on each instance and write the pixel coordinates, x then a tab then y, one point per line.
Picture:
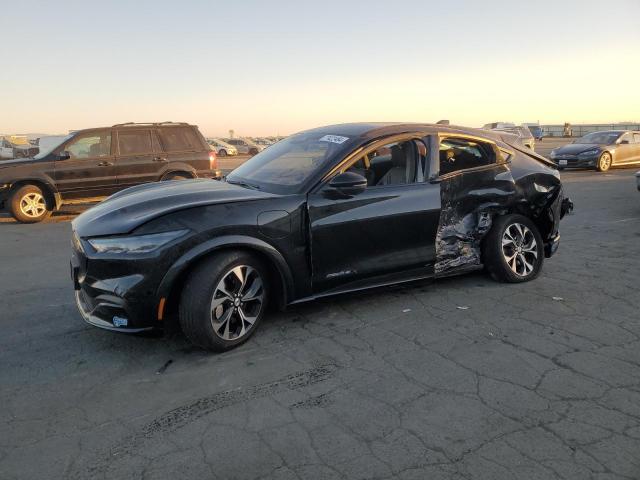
325	211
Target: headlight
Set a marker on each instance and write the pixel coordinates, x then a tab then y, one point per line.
589	153
135	244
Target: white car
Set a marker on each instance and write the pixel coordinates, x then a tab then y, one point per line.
221	147
245	145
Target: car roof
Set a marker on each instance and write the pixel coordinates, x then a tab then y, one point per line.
131	125
370	130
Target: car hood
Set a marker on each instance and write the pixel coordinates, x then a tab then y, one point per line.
126	210
575	148
15	161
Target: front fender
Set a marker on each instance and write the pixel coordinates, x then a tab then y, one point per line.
226	241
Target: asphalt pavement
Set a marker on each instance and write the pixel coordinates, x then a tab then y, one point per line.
464	378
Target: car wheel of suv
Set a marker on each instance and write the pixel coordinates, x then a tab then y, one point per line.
513	249
222	153
604	162
224	300
28	204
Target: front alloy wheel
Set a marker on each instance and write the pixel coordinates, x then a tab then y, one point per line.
237	302
224	299
604	162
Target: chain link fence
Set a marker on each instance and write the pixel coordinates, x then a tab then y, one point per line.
581	130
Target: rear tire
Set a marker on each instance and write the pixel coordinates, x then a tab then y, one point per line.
224	300
222	153
253	151
604	162
513	250
28	204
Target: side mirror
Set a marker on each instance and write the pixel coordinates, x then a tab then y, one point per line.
348	183
64	155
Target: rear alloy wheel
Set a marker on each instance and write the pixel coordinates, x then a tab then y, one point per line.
223	301
28	205
604	162
513	249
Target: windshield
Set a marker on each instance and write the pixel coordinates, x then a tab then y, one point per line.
287	165
47	149
600	138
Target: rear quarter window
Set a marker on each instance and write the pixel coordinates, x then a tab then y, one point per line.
179	140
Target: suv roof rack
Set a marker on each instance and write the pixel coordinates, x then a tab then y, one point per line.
152	124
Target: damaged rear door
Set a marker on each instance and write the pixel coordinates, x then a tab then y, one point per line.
475	184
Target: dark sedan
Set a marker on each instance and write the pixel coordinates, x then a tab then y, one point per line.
600	150
326	211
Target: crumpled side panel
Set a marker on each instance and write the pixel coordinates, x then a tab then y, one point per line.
458	244
469	202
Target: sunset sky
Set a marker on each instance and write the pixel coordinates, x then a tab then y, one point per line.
276	67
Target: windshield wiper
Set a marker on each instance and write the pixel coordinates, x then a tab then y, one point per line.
245	184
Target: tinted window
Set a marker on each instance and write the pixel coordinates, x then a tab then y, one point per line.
90	146
599	138
628	137
288	165
133	143
179	139
460	154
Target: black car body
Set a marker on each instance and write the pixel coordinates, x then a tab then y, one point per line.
322	213
600	150
97	162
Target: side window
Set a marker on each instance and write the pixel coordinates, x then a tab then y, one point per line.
178	139
628	137
460	154
397	163
135	142
90	146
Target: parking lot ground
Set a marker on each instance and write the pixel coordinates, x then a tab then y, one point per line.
463	378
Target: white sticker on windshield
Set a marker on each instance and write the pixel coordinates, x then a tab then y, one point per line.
334	139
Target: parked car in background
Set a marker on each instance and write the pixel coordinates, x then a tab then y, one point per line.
245	145
16	146
523	133
497	125
326	211
222	148
600	150
638	180
265	142
536	131
97	162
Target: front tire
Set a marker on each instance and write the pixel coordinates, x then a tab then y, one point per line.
513	249
224	300
222	153
604	162
28	205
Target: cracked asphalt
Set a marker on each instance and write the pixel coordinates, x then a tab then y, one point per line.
398	383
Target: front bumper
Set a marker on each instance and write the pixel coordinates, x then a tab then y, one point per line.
576	162
110	295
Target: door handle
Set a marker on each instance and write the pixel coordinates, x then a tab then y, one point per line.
159	159
105	164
